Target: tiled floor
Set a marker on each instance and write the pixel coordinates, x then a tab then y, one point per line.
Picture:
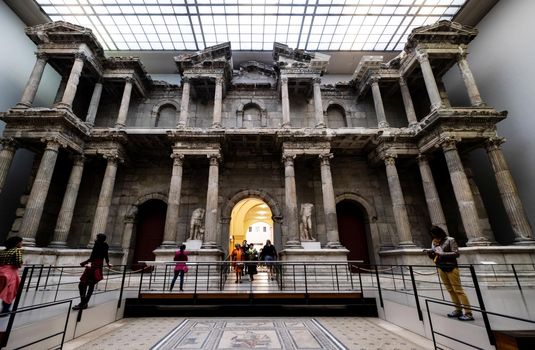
251	333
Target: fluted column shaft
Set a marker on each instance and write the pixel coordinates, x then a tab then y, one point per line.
290	203
463	194
509	193
218	102
398	203
429	80
37	198
210	236
436	214
30	90
378	102
173	203
6	158
72	83
285	102
469	81
318	105
184	103
125	104
407	102
61	90
63	225
93	105
329	202
100	220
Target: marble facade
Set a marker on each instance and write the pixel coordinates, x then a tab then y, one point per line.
116	139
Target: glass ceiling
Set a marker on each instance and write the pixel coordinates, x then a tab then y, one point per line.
326	25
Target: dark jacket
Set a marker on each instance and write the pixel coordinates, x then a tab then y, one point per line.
448	252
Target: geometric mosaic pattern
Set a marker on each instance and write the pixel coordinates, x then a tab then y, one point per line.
287	334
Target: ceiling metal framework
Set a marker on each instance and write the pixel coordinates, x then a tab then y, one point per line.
252	25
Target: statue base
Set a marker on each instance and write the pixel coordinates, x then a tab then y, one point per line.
193	244
310	245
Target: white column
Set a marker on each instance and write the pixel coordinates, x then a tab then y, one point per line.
93	105
378	102
211	241
463	194
429	80
436	214
329	202
407	102
100	219
63	225
318	105
509	193
398	202
9	147
218	102
72	83
125	104
469	81
30	90
184	103
37	198
285	102
173	203
290	201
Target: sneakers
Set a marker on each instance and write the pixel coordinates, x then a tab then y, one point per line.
466	317
456	313
79	307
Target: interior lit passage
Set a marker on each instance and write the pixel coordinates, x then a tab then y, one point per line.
251	220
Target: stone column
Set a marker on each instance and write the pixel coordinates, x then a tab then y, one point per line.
125	103
93	105
30	90
429	79
218	101
184	103
100	219
443	93
173	203
210	235
72	83
329	202
129	223
509	193
37	198
318	106
9	147
436	214
407	102
463	194
378	102
290	201
398	203
63	225
285	102
469	81
61	90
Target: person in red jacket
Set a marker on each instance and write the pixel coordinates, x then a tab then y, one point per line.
10	261
181	256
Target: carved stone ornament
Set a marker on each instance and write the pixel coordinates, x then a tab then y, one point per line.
196	227
325	158
288	159
305	225
178	159
390	159
449	143
494	143
422	56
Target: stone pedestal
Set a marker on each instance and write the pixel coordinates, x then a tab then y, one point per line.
63	256
311	245
193	244
194	255
313	255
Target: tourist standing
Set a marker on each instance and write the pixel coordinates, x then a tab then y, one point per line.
10	262
237	257
269	255
181	256
252	257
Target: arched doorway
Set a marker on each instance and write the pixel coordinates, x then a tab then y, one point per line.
352	230
150	228
251	220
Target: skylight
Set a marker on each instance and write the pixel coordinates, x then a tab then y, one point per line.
252	25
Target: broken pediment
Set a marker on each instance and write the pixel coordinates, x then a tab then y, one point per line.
441	32
287	58
213	57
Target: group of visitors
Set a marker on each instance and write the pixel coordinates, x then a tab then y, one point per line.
244	259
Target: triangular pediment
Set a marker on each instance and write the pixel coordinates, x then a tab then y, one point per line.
445	27
60	27
213	57
440	33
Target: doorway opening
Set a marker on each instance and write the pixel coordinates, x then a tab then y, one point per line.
352	230
150	229
251	220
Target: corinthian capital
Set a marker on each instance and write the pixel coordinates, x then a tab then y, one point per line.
8	143
42	56
80	56
214	158
374	79
449	143
389	158
219	81
316	80
422	56
288	159
325	158
494	143
178	159
284	80
53	143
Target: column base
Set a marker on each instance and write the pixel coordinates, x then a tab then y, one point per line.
406	244
57	244
23	105
62	105
28	242
478	242
321	126
168	245
524	241
480	105
180	126
119	125
286	125
384	125
210	245
216	126
293	245
334	245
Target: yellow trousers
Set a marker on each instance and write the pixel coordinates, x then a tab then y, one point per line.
452	282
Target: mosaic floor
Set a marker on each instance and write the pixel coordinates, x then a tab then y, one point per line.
300	333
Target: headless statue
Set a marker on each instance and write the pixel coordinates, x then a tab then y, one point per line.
196	229
305	225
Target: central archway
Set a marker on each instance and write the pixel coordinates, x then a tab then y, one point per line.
251	220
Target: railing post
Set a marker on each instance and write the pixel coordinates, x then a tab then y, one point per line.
482	306
516	277
360	281
59	283
122	288
196	278
393	278
47	276
7	332
379	287
306	283
337	282
418	308
440	284
39	278
208	278
403	278
430	323
140	282
351	276
30	279
164	278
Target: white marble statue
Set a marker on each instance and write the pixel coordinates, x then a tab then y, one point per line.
305	226
196	229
